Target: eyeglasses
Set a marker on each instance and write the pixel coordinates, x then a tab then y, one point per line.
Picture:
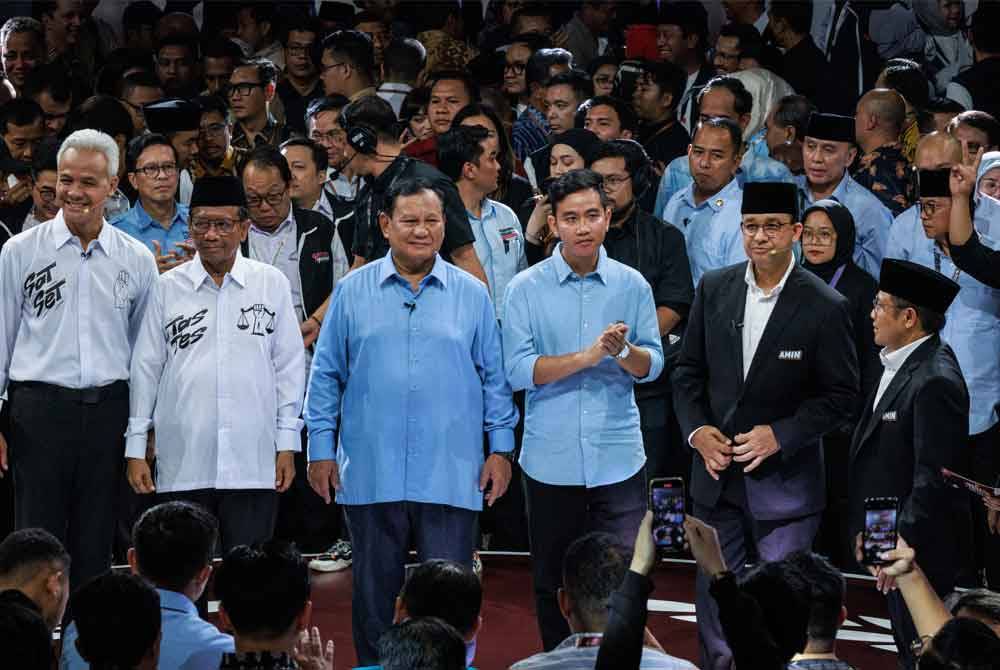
516	68
770	229
224	226
324	68
881	307
212	129
329	137
604	80
244	89
48	194
929	208
823	238
273	199
613	181
150	171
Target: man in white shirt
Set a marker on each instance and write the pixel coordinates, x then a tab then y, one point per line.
219	375
73	292
404	59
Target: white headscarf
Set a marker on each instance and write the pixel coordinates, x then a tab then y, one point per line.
766	89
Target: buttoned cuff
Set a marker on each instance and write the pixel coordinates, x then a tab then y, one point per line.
501	440
288	440
136	437
691	436
321	447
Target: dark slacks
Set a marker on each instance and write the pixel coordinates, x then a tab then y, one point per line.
666	453
245	515
67	453
985	457
557	515
740	536
381	536
303	517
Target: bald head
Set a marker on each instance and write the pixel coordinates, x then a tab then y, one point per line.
938	150
176	23
886	107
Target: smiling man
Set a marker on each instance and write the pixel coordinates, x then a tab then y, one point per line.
22	49
74	291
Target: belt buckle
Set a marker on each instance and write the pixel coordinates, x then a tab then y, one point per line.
90	396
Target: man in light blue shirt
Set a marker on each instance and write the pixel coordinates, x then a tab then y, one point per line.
172	548
580	331
707	210
827	153
157	219
408	372
728	98
468	156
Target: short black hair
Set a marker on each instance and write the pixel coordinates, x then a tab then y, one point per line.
690	16
19	112
730	126
24	637
263	588
670	77
530	9
415	100
794	110
134	149
179	40
267	72
49	78
221	48
319	156
447	590
797	13
299	22
141	13
214	103
23	551
828	591
907	80
782	594
407	187
404	58
578	80
743	101
636	158
973	118
625	111
930	321
117	618
741	31
536	71
983	28
45	157
593	566
943	106
471	87
173	541
506	151
373	112
267	156
353	46
327	103
141	79
460	145
601	61
426	643
962	643
104	113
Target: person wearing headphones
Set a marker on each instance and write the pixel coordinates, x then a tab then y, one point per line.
656	249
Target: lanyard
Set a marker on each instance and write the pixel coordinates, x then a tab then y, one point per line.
837	275
937	266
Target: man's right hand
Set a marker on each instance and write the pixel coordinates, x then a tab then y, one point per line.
324	476
3	456
20	192
715	448
166	261
140	477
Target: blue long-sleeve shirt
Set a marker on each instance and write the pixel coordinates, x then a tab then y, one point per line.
140	225
412	380
582	430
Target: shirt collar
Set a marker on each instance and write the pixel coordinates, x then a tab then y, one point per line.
486	211
174	600
387	270
565	272
199	275
893	360
363	93
323	206
717	201
751	280
144	221
289	222
839	193
394	87
62	235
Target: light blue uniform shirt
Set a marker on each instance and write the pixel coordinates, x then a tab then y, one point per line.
137	223
499	246
582	430
189	642
413	380
973	320
711	230
872	220
753	167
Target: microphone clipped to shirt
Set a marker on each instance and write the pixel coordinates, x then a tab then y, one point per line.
410	305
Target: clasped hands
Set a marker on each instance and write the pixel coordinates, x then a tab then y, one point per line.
718	451
608	343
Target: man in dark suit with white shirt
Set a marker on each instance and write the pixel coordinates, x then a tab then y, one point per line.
915	423
766	369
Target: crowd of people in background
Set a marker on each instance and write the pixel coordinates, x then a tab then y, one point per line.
354	279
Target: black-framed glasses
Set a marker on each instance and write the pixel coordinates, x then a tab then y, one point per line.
516	68
324	68
244	89
604	80
929	207
273	199
823	238
882	306
47	194
224	226
214	129
152	170
613	181
770	229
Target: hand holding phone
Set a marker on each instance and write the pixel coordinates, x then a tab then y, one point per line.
666	500
881	517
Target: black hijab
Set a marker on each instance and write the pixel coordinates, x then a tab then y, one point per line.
843	223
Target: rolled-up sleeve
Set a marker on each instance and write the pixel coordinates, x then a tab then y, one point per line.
519	350
327	380
648	331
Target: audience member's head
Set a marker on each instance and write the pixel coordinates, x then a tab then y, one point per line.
22	128
542	66
24	635
256	25
118	619
730	44
516	59
786	128
251	89
35	563
962	644
443	589
172	546
783	596
658	91
879	118
611	118
827	595
682	34
299	39
322	117
938	114
714	154
219	59
347	63
790	21
726	97
603	71
451	90
980	604
177	65
975	130
307	161
564	93
593	566
907	78
22	48
137	90
403	61
377	29
427	643
50	86
139	24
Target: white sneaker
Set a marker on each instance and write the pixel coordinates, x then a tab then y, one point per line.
336	559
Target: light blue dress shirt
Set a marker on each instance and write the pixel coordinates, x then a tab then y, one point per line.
137	223
872	220
753	167
189	642
711	230
582	430
499	246
413	379
973	320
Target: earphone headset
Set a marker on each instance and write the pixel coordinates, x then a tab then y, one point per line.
360	137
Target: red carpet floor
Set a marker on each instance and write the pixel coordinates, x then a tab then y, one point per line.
510	632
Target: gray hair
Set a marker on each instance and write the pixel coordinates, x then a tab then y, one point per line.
89	139
22	24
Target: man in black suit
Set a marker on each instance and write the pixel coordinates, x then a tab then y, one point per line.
915	423
766	368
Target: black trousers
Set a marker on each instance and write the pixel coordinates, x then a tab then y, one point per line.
245	516
667	455
67	451
557	515
985	462
303	517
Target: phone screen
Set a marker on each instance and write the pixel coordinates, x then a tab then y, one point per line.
880	529
667	503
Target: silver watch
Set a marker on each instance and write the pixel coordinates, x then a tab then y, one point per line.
623	354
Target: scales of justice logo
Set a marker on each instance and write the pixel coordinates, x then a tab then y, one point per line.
263	319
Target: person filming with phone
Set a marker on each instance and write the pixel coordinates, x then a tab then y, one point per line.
915	423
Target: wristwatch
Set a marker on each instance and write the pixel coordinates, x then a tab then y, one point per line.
623	354
507	455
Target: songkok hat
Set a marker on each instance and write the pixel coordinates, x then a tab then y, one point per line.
831	127
917	284
933	183
222	191
172	115
770	197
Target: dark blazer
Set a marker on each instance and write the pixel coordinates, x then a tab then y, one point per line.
803	382
920	425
